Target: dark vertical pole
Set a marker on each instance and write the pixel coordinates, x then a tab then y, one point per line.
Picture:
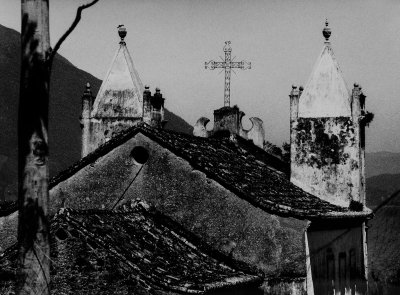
33	195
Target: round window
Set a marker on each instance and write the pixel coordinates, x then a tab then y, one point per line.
140	155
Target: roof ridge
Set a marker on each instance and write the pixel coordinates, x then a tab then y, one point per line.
122	137
268	200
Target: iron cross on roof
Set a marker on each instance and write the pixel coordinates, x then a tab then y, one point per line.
227	64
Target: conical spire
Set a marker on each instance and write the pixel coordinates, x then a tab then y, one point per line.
120	94
326	93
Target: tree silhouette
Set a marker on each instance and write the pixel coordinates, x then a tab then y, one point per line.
33	193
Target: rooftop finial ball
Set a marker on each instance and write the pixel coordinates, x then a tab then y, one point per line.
122	31
326	31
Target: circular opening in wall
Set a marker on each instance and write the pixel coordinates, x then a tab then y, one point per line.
61	234
140	155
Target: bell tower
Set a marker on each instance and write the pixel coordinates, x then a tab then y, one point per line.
118	104
327	133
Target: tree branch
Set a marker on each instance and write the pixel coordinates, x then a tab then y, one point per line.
69	31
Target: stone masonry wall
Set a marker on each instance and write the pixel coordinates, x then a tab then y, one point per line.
103	129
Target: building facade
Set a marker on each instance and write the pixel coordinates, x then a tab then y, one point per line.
327	136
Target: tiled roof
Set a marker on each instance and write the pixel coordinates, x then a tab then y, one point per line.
236	164
140	247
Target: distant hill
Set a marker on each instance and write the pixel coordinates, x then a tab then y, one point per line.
381	187
383	176
382	163
66	89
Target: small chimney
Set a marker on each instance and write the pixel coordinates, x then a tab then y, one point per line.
157	111
301	88
153	108
87	102
147	105
85	120
157	100
356	97
294	102
294	97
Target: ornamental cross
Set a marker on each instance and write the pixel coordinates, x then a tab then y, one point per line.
227	64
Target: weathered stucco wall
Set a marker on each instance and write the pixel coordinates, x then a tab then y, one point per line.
326	159
204	207
97	131
337	260
98	185
119	103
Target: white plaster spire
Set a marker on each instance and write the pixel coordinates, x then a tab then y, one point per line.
121	92
326	93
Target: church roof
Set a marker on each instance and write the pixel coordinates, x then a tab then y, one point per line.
121	93
134	249
326	93
239	166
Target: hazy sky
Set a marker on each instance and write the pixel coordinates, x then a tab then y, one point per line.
169	42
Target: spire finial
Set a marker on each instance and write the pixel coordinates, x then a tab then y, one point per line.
122	32
326	31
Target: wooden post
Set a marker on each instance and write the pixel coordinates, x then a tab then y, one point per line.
33	195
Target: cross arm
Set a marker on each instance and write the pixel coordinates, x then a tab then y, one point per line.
244	65
214	64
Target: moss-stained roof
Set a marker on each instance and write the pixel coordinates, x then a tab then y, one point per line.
137	248
236	164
